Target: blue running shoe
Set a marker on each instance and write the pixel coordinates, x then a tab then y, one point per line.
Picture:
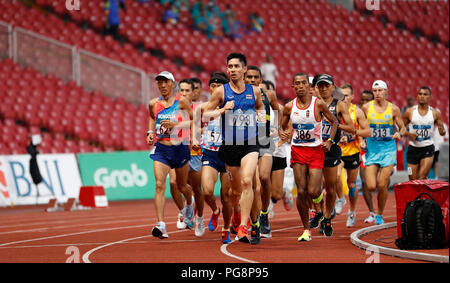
379	219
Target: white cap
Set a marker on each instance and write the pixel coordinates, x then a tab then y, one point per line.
379	84
165	74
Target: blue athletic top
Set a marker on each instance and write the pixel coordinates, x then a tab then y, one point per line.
240	124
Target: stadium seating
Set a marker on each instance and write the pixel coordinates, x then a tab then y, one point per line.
311	36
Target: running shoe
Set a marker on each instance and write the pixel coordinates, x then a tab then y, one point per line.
189	216
340	202
379	219
180	224
255	234
270	210
199	226
288	201
327	228
212	225
351	218
159	231
226	237
235	222
371	218
315	222
242	234
265	225
305	237
312	213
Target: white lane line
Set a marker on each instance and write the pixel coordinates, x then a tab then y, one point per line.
66	245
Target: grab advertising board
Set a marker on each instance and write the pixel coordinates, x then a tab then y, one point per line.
60	179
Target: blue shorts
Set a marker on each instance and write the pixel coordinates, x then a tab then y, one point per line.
211	158
195	164
381	158
174	156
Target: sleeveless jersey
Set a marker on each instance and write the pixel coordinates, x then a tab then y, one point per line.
307	130
352	147
267	108
326	126
212	135
423	126
382	128
240	124
171	113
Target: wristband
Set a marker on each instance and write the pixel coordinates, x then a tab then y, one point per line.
149	132
331	140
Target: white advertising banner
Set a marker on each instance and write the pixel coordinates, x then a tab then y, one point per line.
60	179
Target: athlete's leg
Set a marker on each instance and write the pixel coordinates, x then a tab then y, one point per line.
425	167
209	177
265	168
176	194
352	175
182	178
227	208
300	177
413	171
161	171
330	174
248	169
382	184
366	193
277	184
371	177
339	193
195	182
256	205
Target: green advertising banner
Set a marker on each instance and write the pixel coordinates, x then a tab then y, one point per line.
124	175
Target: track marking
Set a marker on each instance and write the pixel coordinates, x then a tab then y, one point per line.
66	245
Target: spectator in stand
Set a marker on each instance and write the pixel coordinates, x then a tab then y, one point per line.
411	103
112	16
171	15
231	27
269	70
256	22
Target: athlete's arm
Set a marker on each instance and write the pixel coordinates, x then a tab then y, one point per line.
151	122
406	120
399	121
347	125
363	126
197	124
438	122
217	98
274	103
285	117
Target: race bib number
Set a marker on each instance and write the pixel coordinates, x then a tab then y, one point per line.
423	132
381	132
303	133
326	130
241	120
162	132
214	137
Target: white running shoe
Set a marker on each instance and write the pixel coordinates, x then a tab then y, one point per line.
199	226
371	218
351	218
160	231
340	202
180	224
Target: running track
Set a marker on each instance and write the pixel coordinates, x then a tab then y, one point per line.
122	233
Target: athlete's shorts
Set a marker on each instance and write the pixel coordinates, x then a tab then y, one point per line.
363	158
352	161
211	158
195	163
435	158
415	154
333	157
232	155
311	156
278	163
174	156
266	146
381	158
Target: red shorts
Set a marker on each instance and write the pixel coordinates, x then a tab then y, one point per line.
314	157
363	158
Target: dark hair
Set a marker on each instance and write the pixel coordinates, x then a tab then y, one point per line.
239	56
369	92
347	85
426	88
254	68
196	80
314	81
218	77
188	81
301	74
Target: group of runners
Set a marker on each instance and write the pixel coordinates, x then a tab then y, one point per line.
244	137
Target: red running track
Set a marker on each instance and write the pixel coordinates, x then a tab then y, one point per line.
122	233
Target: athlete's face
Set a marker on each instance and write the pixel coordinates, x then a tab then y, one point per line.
236	69
197	91
165	87
186	90
365	97
379	94
301	85
423	96
348	95
253	77
325	89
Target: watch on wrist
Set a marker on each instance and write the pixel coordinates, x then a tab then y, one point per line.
331	140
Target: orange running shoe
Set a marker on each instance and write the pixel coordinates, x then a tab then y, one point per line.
242	234
235	222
